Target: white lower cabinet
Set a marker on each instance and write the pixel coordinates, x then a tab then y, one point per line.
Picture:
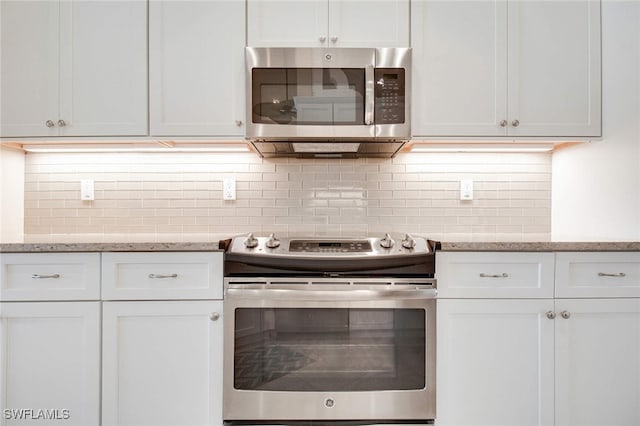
597	379
162	363
50	363
495	363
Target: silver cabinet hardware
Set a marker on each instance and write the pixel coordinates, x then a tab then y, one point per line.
503	123
239	123
49	123
322	39
163	276
502	275
551	314
515	123
38	276
618	275
334	39
565	314
214	316
61	123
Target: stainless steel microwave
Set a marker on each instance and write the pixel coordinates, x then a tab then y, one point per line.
324	101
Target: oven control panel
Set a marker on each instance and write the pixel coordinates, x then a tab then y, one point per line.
330	247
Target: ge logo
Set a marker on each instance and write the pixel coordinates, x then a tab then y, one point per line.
328	56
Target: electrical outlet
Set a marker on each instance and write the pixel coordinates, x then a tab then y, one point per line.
466	190
86	190
229	189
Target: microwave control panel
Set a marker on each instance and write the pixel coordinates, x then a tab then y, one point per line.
389	95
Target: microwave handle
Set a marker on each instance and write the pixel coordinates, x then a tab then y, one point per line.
369	95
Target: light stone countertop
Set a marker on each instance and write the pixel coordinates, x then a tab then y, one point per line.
213	246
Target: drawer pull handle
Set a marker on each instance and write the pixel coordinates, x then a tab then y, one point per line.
163	276
619	275
38	276
502	275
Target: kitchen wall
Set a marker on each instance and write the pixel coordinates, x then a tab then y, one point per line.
11	195
596	186
178	197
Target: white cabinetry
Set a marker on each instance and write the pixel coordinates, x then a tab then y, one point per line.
328	23
196	73
597	339
49	351
495	363
73	68
506	68
162	363
495	346
162	360
569	361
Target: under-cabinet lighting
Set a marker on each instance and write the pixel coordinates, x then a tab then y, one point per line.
128	148
477	147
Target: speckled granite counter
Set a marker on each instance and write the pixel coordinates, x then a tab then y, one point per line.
92	247
543	246
213	246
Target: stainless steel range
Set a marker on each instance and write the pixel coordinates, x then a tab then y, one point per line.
328	330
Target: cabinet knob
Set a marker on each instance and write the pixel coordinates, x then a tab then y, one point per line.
503	123
239	123
214	316
322	39
565	314
515	123
49	123
334	39
61	123
551	314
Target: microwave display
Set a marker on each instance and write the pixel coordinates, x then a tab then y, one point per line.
308	96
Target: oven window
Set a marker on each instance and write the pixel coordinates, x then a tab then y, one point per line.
308	96
304	349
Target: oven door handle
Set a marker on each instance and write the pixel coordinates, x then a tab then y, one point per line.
348	295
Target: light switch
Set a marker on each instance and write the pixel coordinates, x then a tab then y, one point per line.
86	190
229	189
466	190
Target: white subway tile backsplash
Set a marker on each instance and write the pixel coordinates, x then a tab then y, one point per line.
178	197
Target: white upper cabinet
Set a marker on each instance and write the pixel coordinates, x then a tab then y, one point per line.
328	23
73	68
196	75
506	68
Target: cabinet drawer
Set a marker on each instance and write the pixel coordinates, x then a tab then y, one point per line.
162	276
494	275
598	274
49	276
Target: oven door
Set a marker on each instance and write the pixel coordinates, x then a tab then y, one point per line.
296	354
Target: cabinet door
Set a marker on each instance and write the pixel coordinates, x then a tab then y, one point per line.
197	67
287	23
554	68
495	363
459	67
162	364
373	23
29	67
50	360
598	362
103	68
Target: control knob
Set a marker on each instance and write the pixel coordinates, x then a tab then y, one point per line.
387	242
408	242
251	241
273	242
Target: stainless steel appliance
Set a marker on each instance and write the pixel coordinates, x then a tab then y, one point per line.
329	330
328	101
